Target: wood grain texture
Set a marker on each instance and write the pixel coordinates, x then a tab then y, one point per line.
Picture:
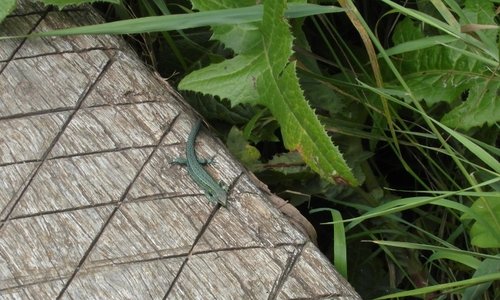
14	25
91	206
33	83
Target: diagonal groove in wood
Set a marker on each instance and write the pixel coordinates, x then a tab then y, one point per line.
246	248
10	58
36	113
58	211
111	215
292	260
90	153
105	49
19	195
202	230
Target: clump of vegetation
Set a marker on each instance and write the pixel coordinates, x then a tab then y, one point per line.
378	120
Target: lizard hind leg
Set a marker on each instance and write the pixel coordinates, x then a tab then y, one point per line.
205	161
179	161
211	197
223	185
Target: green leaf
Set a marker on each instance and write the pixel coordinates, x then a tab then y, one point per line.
448	249
234	79
441	69
238	145
419	44
488	266
262	74
287	163
482	12
62	3
235	36
481	107
6	7
436	73
484	234
451	30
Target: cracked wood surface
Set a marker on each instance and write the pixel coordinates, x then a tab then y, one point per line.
92	208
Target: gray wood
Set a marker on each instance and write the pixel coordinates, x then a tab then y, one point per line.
91	206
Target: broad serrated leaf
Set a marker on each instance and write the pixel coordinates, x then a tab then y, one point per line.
482	12
436	73
287	163
234	79
481	107
238	36
301	128
443	73
262	74
6	7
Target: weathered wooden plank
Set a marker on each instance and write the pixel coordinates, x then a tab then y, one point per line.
106	128
138	280
159	228
28	7
119	85
258	225
325	284
12	178
70	75
28	138
15	26
47	247
81	181
92	206
237	274
42	290
65	19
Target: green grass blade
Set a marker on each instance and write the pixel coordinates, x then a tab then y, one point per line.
415	246
339	241
451	30
472	147
444	287
419	44
193	20
488	266
464	259
408	203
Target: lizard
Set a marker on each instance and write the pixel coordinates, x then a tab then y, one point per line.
213	189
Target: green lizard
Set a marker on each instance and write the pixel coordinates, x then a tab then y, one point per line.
213	190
